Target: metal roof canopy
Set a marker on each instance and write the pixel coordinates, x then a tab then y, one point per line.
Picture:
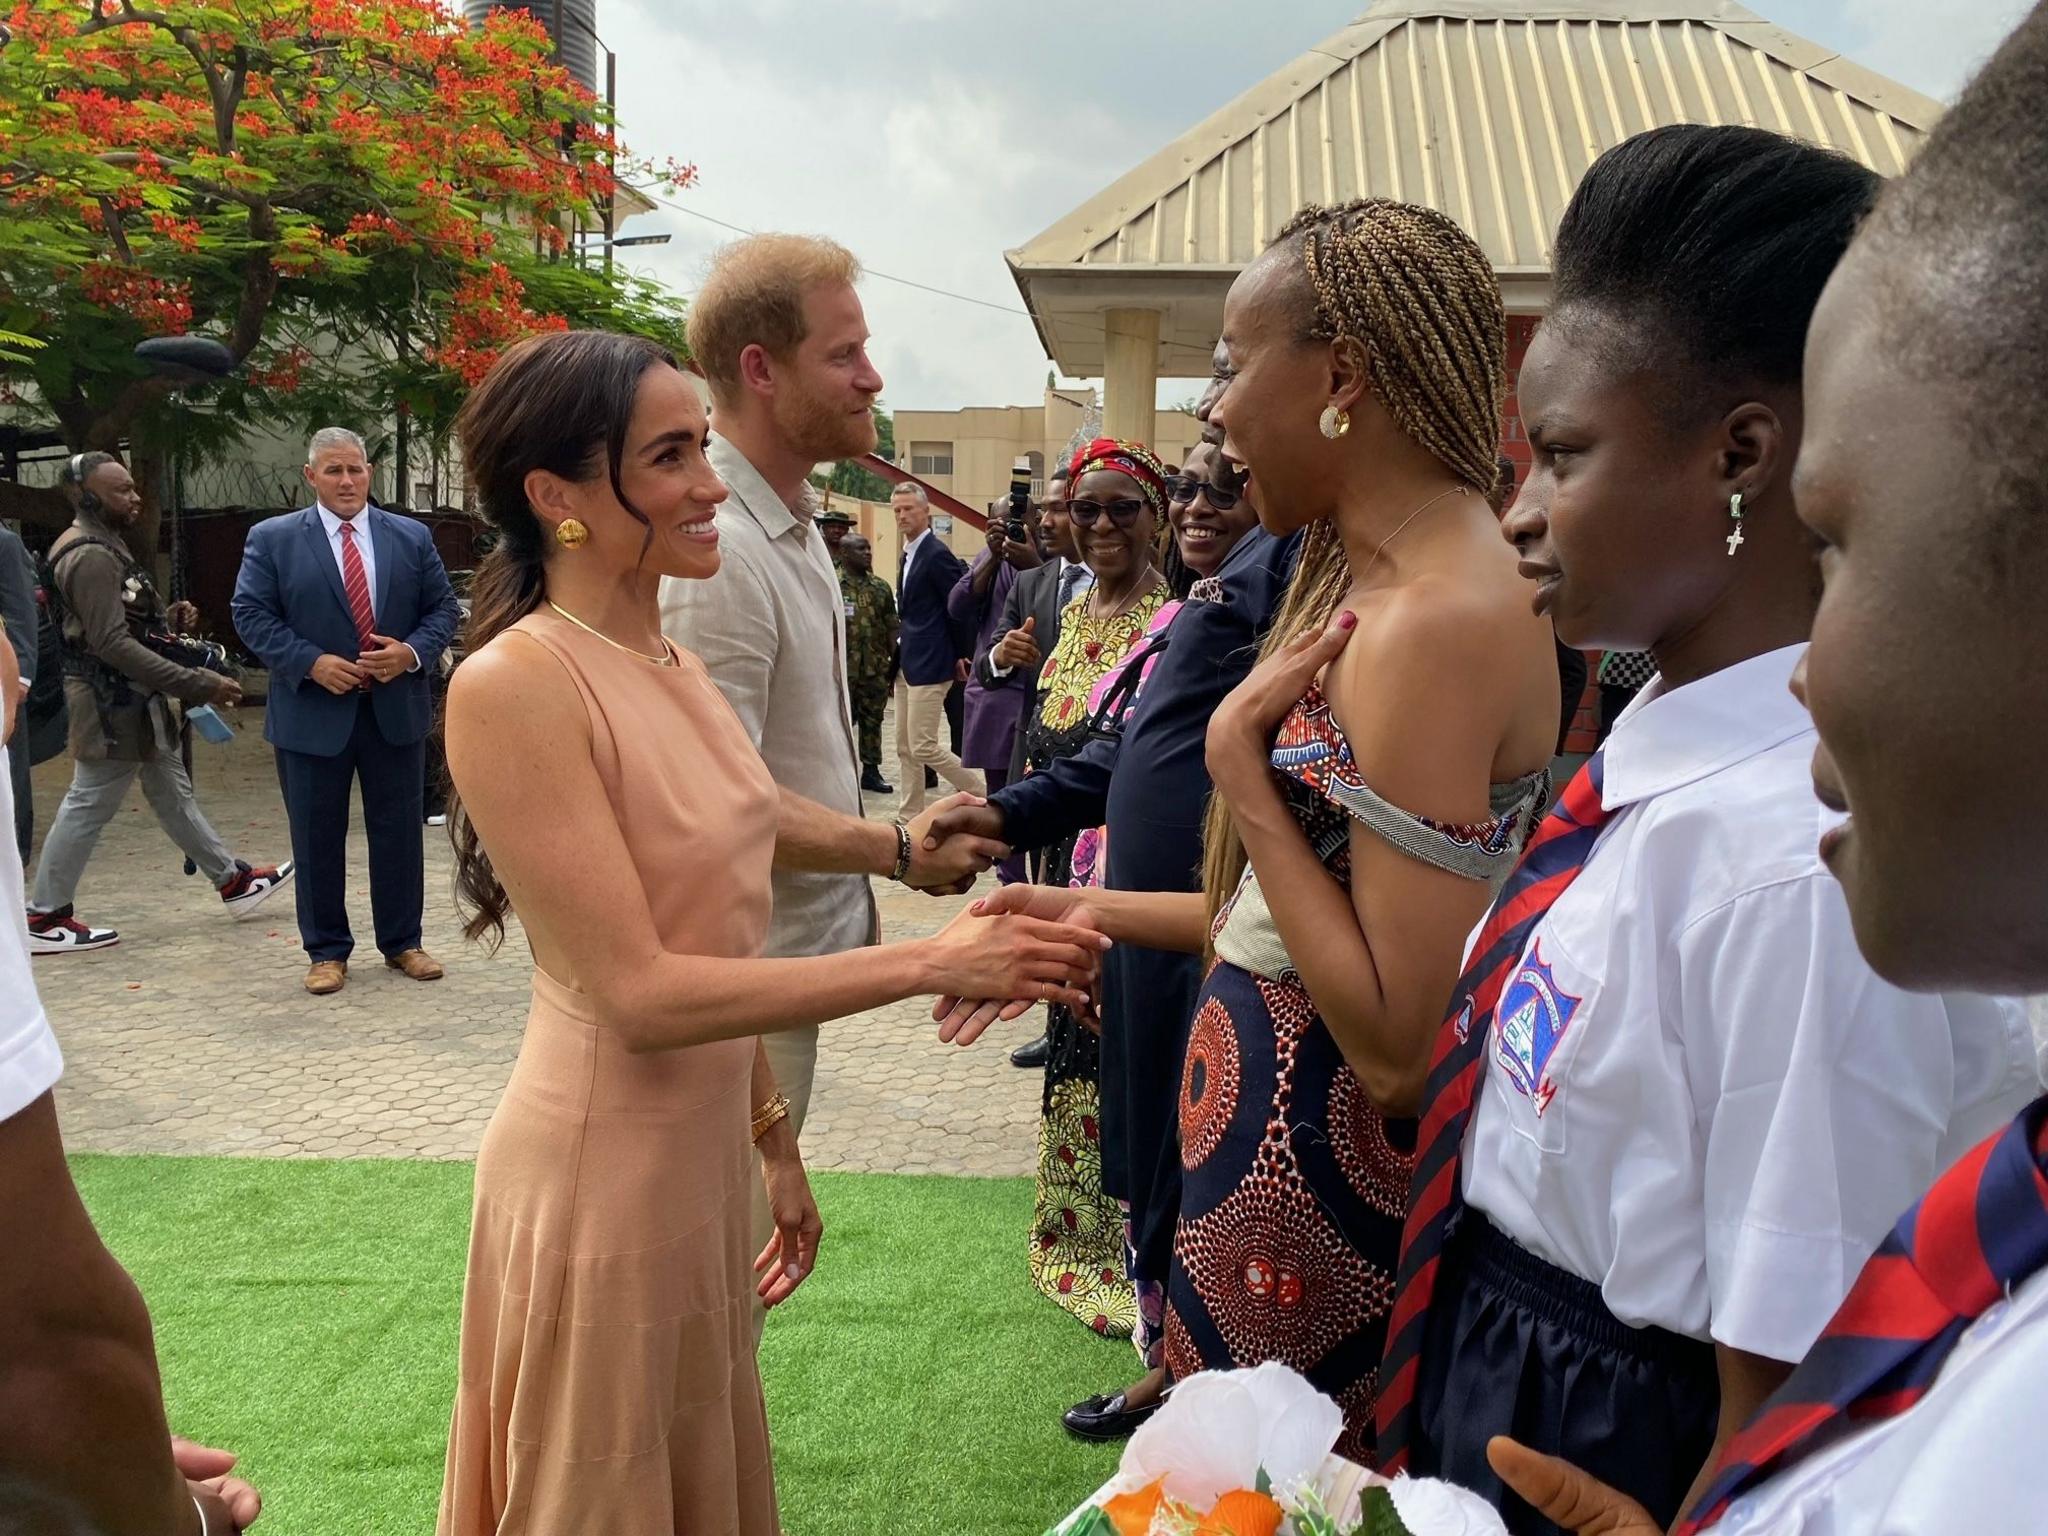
1489	110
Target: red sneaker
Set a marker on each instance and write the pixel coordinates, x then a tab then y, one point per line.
59	933
252	887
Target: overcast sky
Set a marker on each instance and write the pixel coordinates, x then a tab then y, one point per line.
933	135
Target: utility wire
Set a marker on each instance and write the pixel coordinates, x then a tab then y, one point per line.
909	282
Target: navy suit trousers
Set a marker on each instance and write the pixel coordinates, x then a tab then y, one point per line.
316	798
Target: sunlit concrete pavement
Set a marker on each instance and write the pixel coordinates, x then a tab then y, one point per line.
195	1034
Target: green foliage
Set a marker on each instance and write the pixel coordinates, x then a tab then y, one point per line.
855	480
364	199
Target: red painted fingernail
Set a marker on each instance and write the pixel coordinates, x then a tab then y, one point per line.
1347	620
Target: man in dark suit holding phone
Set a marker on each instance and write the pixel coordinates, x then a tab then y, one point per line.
932	657
350	608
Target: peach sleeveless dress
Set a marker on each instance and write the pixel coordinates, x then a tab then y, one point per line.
608	1381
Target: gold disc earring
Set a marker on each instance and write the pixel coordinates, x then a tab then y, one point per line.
571	534
1334	423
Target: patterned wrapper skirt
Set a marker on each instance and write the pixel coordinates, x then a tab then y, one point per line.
1293	1193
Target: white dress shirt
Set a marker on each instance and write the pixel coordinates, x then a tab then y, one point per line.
30	1062
367	548
1735	1109
1965	1460
770	628
910	558
1081	585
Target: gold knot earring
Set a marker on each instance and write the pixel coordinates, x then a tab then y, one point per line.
571	534
1334	423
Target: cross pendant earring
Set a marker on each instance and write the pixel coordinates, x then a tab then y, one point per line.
1735	539
1735	511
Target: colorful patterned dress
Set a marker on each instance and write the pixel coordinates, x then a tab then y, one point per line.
1077	1236
1294	1187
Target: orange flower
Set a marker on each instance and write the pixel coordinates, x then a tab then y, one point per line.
1243	1513
1133	1514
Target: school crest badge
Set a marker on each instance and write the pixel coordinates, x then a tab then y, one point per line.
1534	1014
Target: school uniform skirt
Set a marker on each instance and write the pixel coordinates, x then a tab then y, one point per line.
1516	1346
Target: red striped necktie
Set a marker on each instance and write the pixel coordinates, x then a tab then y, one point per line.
357	586
1549	865
1979	1232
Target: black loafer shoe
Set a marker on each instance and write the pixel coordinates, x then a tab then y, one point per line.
1036	1054
1106	1418
872	781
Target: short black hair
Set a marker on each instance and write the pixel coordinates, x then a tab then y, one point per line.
1963	279
81	467
1702	252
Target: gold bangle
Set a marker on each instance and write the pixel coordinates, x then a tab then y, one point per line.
770	1115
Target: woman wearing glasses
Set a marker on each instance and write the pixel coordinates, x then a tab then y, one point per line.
1117	505
1207	514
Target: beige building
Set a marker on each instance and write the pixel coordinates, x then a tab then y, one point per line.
1488	110
968	453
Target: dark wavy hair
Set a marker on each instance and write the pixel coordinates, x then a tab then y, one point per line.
1699	253
562	403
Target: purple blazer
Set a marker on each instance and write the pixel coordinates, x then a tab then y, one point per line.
991	716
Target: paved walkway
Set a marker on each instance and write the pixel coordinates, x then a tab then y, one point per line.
195	1035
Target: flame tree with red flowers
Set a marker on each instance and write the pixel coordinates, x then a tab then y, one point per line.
363	199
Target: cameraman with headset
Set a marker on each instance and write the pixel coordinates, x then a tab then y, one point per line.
125	661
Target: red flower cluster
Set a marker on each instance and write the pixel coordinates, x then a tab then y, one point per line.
489	314
285	372
182	234
162	306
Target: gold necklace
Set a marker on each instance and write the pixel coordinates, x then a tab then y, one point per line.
666	659
1456	490
1138	595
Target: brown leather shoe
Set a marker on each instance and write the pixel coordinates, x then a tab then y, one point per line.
417	964
327	976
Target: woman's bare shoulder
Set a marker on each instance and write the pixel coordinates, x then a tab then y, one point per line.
513	678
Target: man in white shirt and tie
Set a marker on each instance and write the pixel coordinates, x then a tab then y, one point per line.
350	608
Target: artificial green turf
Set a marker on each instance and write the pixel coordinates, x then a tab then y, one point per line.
306	1317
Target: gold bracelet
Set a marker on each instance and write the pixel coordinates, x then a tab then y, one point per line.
770	1115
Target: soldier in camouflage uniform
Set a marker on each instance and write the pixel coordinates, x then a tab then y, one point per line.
870	650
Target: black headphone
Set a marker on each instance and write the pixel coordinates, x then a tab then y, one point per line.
74	475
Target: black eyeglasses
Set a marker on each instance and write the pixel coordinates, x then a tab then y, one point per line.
1122	513
1185	488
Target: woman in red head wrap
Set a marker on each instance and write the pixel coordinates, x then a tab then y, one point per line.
1117	501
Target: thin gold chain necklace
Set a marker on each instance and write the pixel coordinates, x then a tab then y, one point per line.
1456	490
666	659
1138	595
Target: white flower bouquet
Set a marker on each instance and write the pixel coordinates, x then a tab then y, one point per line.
1248	1453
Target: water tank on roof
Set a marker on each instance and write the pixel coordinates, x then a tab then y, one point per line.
576	42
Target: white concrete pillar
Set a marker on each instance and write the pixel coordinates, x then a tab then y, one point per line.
1130	372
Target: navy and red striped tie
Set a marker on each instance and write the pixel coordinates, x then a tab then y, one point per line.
1979	1232
1549	864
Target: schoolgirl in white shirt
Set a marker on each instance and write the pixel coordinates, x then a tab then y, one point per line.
1697	1110
1925	473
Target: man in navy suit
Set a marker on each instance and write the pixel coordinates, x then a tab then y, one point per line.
933	657
349	607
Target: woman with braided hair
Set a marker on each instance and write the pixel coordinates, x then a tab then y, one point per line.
1348	858
1375	777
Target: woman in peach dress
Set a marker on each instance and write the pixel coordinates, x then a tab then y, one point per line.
609	796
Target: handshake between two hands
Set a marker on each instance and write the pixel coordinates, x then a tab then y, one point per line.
1014	949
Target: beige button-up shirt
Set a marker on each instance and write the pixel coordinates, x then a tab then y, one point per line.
770	628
